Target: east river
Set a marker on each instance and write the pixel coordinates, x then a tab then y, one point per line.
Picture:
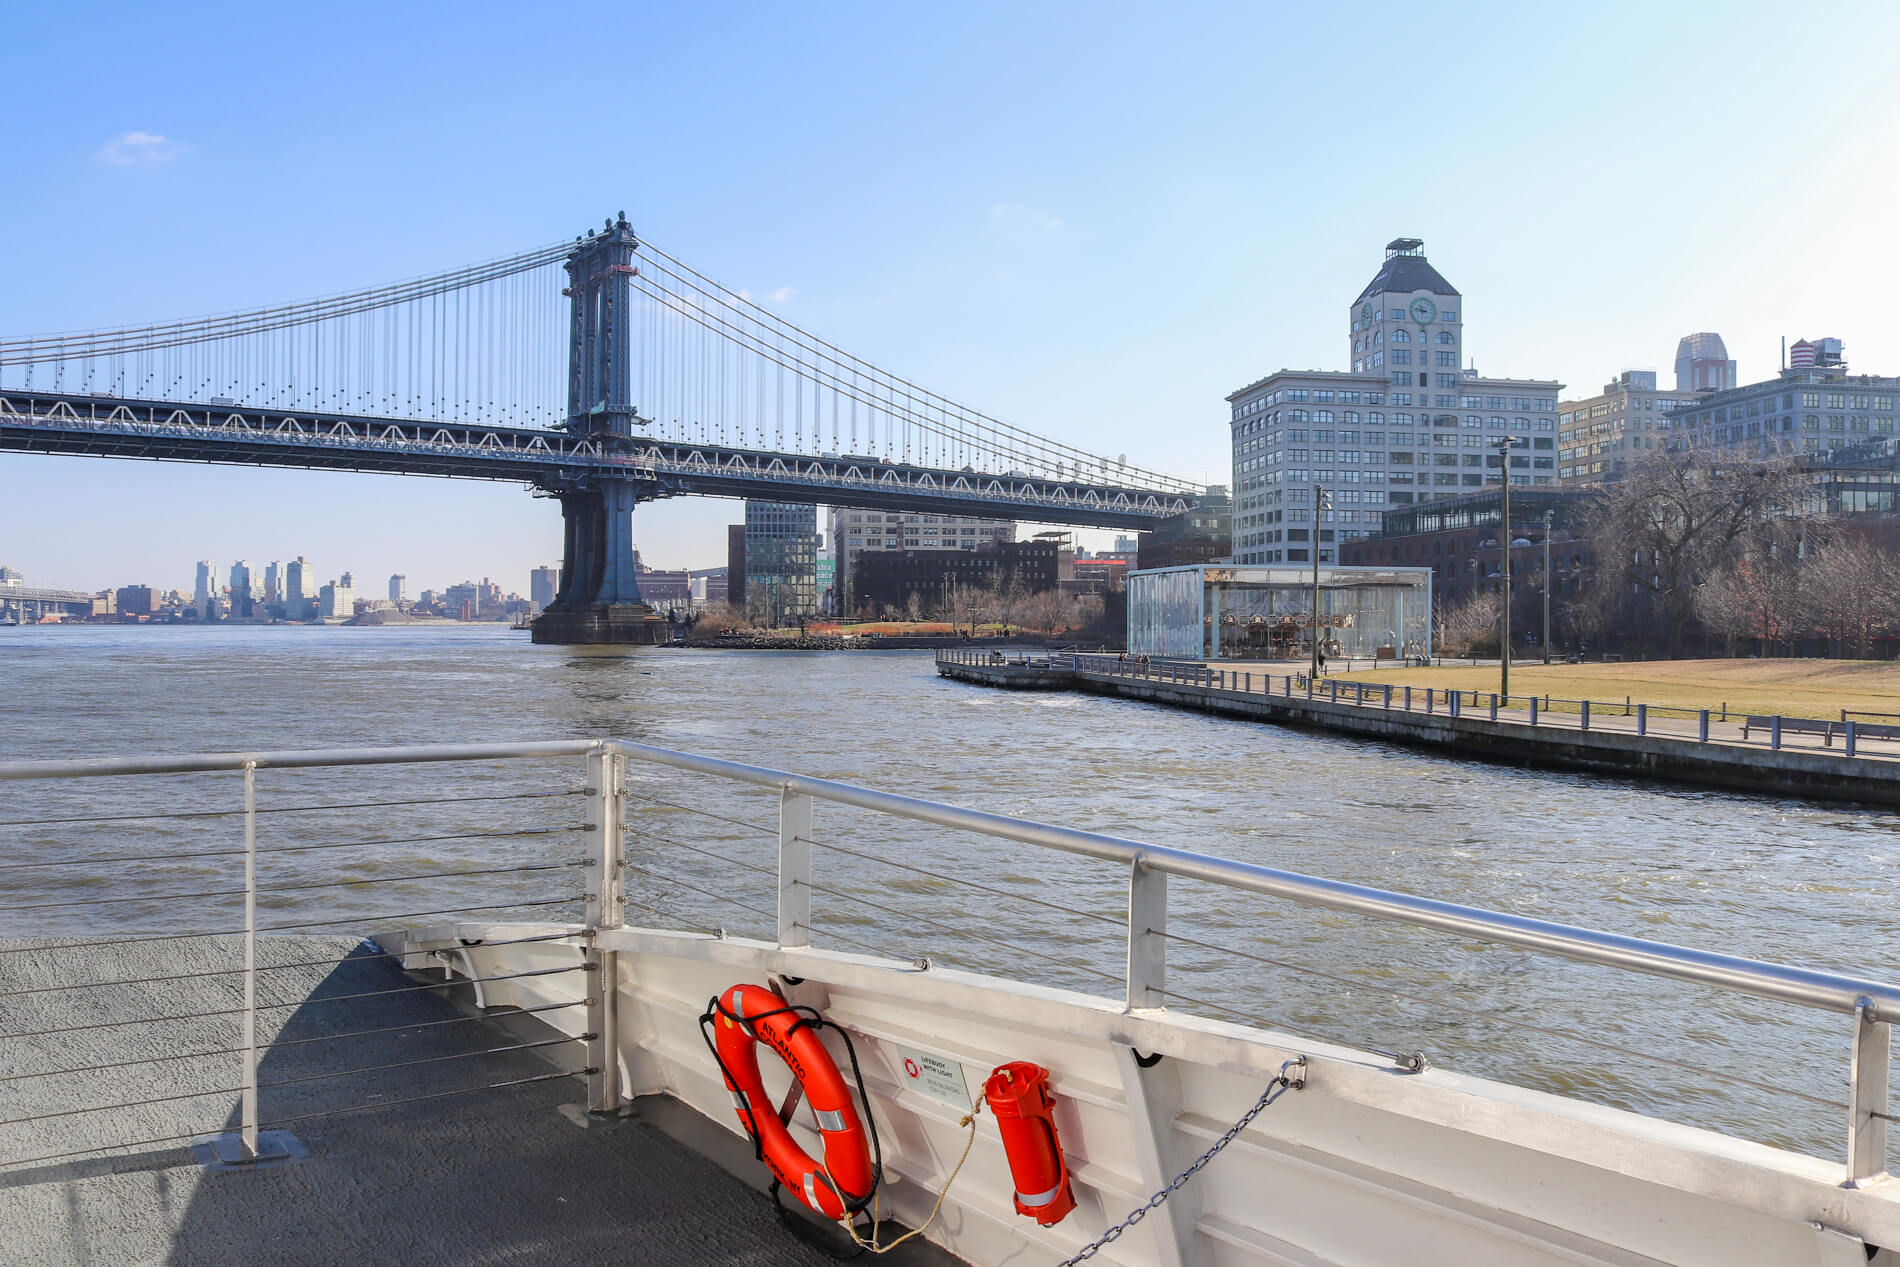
1776	879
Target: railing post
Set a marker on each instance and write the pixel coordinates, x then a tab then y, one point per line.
1333	684
1848	737
1867	1095
249	1130
1533	710
1703	727
1774	733
1452	698
1642	719
1408	699
1584	724
1147	936
606	809
1430	694
794	868
1494	705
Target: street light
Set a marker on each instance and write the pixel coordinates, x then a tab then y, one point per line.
1322	502
1547	586
1504	543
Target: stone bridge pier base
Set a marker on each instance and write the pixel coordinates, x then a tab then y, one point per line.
599	598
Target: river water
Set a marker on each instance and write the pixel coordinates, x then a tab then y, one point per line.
1777	879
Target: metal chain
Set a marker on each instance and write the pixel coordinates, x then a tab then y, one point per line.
1274	1091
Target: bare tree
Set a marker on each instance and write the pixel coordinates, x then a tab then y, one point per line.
1850	592
1468	624
1673	522
720	618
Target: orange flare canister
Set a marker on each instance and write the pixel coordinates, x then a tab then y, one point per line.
1018	1096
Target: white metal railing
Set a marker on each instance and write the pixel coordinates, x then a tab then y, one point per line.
1873	1005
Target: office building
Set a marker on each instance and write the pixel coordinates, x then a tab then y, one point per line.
398	588
207	597
885	581
1407	424
135	600
1599	437
854	531
1702	364
781	563
543	584
243	591
273	584
709	588
1815	406
1201	535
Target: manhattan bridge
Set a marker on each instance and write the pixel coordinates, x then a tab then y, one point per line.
601	372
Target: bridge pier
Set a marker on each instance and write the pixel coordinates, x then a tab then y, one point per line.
599	598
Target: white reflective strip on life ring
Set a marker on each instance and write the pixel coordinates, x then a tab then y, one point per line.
1041	1198
739	1101
830	1119
811	1191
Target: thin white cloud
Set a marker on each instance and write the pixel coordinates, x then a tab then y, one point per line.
138	149
781	295
1013	215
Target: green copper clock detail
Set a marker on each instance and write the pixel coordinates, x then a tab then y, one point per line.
1424	311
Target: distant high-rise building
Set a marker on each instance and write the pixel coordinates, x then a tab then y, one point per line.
781	562
735	565
349	582
336	601
1813	406
397	585
300	590
543	585
273	584
243	590
206	597
135	600
1702	364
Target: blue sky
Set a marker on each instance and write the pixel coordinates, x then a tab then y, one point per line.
1095	220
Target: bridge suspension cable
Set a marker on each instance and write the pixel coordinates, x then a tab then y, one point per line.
483	343
906	421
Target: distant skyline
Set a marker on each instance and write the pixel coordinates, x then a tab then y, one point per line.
1092	220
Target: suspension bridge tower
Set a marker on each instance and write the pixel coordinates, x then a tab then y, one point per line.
599	597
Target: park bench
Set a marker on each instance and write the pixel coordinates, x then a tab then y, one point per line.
1792	726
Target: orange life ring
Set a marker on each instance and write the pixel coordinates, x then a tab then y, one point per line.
842	1184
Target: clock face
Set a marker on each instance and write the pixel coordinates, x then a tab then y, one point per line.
1424	310
1365	314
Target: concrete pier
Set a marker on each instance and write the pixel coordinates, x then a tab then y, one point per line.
1562	743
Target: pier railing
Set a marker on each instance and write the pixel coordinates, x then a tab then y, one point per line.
1773	730
591	855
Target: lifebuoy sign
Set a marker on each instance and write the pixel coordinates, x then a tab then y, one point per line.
938	1077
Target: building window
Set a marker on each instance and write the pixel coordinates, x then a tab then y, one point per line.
1447	358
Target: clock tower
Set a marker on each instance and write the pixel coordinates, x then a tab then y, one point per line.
1407	326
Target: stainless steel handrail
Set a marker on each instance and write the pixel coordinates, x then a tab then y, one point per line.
1828	991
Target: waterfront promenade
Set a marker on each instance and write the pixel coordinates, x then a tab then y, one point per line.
1786	756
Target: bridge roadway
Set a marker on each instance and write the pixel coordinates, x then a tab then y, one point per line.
173	431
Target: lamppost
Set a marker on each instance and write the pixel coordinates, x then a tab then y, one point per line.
1321	503
1504	544
1546	586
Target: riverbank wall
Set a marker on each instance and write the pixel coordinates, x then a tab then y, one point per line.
1811	774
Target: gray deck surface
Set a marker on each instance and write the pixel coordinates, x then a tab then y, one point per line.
513	1175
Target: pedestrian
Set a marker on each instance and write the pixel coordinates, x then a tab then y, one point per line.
1322	660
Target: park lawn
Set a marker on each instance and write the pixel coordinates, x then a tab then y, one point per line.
1793	688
